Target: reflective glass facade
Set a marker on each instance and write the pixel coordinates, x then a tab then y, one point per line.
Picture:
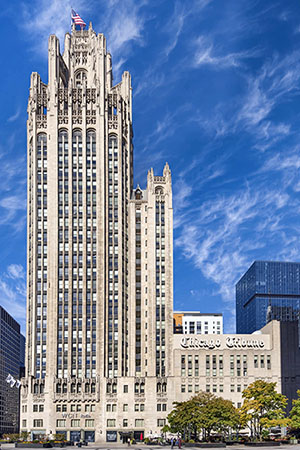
268	290
11	359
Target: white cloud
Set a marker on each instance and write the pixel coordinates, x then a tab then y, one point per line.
13	293
222	236
15	116
206	54
15	271
44	17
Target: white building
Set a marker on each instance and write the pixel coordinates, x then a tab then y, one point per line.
194	322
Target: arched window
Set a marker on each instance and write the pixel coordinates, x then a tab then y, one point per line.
35	388
136	388
93	388
164	387
62	141
112	144
91	142
58	388
138	194
41	144
80	78
78	388
77	142
142	388
73	388
87	388
158	387
64	388
42	387
159	190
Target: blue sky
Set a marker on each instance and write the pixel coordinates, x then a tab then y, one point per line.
216	94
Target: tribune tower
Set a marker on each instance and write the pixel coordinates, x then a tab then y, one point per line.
99	255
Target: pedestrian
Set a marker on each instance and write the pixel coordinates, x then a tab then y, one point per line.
179	443
128	442
172	442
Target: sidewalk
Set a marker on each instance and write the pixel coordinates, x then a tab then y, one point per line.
141	446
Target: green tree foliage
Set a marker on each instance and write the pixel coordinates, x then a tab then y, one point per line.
203	413
263	407
295	415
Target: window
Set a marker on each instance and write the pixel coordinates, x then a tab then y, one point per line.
255	361
161	422
207	388
268	361
24	423
136	407
75	423
89	423
190	388
239	388
232	388
183	388
196	388
231	365
111	422
125	423
139	422
262	361
221	388
41	408
207	362
125	407
125	388
60	423
37	423
35	408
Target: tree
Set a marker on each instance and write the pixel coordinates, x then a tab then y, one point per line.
263	407
220	416
295	415
203	413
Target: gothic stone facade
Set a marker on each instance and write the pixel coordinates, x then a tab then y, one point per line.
101	358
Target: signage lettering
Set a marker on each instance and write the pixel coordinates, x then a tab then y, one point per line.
230	342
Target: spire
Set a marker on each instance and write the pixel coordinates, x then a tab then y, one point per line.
167	171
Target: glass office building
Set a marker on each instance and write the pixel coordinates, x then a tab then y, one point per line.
268	290
12	347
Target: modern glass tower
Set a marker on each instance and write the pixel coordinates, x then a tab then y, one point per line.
11	361
100	255
268	290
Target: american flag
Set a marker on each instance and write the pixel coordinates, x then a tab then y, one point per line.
77	19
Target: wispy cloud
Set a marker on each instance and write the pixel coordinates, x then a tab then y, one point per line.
13	211
41	18
15	116
276	82
216	236
205	53
15	271
13	292
124	22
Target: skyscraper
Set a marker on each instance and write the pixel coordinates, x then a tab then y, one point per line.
11	360
269	290
99	252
